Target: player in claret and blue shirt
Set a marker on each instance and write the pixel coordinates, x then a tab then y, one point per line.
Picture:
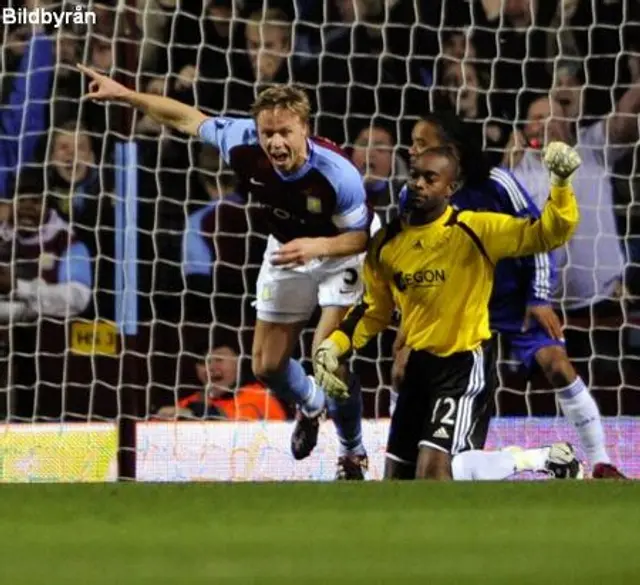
314	204
520	306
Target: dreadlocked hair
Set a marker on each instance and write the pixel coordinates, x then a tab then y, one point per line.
474	164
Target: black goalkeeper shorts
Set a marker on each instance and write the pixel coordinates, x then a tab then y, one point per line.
444	403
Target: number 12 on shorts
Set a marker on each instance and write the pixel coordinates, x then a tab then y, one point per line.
447	407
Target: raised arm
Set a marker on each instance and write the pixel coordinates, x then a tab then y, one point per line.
164	110
538	269
623	122
502	236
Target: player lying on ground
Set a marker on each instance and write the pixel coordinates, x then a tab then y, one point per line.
520	308
315	208
437	266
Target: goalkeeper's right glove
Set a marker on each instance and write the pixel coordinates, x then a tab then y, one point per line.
326	362
562	161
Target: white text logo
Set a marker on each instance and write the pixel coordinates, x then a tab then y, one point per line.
42	17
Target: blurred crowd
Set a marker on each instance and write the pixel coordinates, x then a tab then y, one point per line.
518	71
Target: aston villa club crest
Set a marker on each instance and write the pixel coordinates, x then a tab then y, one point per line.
314	205
266	294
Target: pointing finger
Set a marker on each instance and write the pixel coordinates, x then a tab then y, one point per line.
87	71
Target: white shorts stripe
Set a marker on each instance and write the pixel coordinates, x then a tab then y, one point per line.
431	445
397	459
464	420
481	387
462	405
466	411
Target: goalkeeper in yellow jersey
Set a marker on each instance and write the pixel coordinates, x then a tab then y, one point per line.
436	265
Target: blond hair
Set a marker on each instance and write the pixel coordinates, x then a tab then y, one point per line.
286	97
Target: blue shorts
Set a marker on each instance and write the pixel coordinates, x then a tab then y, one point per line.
523	347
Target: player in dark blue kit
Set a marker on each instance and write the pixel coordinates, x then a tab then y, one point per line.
313	201
520	307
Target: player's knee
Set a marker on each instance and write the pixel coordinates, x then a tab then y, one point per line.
434	465
266	366
556	366
396	470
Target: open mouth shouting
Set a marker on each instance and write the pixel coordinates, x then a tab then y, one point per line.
280	158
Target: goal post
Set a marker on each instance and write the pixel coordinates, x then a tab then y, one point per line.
127	284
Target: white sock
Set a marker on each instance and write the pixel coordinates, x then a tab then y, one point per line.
581	410
483	465
393	400
497	465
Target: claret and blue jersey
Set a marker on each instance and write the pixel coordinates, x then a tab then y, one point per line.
518	281
323	198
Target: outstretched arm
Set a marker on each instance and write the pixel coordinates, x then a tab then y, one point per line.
164	110
538	270
503	236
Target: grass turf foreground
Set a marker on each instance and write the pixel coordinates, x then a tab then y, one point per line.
517	533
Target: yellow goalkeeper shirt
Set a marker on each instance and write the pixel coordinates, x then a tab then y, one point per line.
440	275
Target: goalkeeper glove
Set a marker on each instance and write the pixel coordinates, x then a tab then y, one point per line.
562	161
326	362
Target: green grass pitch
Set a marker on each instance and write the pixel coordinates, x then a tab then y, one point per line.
509	533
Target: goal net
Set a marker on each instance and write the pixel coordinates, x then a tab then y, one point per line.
131	339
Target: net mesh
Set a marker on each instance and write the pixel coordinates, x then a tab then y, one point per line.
371	68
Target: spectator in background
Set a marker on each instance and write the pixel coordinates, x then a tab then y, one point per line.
200	233
519	44
587	33
213	181
81	194
458	88
200	41
362	70
30	105
24	115
457	45
101	54
73	175
384	172
14	39
592	264
152	19
263	59
213	251
320	23
569	90
529	35
221	395
46	271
